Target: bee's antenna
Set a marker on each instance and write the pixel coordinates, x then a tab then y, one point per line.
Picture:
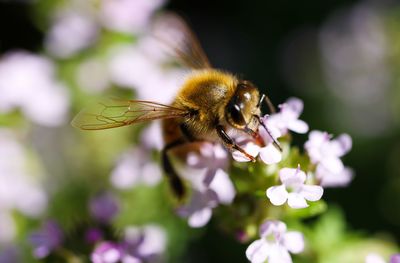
271	106
274	141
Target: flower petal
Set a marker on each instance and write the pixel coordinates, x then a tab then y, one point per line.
250	147
293	177
258	251
294	241
200	217
279	254
298	126
270	154
223	187
277	194
342	144
312	192
272	227
296	200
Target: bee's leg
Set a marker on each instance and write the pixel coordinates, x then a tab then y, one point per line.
230	144
174	180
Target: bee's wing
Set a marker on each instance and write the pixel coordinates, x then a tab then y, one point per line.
114	113
174	33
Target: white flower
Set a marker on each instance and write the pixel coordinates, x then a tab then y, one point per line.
275	244
288	117
19	189
268	153
328	178
135	167
70	33
28	81
374	258
129	16
145	241
132	67
293	190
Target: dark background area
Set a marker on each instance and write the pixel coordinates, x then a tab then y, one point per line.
247	38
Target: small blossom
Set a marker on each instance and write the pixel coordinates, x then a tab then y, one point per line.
330	179
28	81
374	258
135	167
211	157
46	240
275	244
288	117
104	207
107	252
70	33
128	65
326	153
129	16
293	190
269	154
18	180
93	235
395	258
199	209
144	244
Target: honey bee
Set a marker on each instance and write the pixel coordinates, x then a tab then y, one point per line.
210	106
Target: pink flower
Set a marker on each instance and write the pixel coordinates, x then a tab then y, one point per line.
107	252
293	190
288	117
275	244
326	153
212	186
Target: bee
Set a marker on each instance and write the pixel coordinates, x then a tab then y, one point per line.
210	106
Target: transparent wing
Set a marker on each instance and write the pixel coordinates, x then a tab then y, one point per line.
114	113
178	39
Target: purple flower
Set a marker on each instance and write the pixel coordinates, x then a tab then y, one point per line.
275	244
293	190
104	207
107	252
395	258
46	240
10	254
93	235
326	153
288	117
199	209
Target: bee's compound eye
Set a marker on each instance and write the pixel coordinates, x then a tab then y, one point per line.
235	115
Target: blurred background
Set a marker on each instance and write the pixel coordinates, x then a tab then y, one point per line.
341	57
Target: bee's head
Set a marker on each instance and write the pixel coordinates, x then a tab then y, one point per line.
242	107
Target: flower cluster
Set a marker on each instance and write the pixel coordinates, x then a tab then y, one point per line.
144	244
212	186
